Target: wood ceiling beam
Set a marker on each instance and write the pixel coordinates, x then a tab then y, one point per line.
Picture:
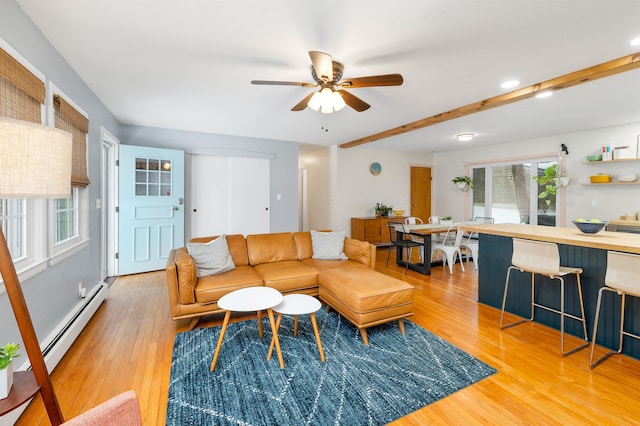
606	69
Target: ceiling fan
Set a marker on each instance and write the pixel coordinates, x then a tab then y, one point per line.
327	75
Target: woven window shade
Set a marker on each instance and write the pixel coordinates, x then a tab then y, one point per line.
21	92
16	104
69	119
17	75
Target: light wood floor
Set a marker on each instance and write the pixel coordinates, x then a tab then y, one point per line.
128	345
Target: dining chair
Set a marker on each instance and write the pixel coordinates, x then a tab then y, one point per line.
401	242
450	246
470	242
414	220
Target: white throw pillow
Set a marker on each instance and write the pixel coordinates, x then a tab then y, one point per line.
213	257
328	245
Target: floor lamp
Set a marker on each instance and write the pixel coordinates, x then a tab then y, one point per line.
35	162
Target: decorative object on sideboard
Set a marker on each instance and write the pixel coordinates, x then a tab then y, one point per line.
7	354
464	183
382	209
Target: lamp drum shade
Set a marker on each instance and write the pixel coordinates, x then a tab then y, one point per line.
35	160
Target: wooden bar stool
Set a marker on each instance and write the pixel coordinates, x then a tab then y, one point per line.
622	277
537	257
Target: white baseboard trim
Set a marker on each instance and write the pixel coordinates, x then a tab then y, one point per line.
56	345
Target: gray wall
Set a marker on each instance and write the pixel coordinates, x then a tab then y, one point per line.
284	163
52	294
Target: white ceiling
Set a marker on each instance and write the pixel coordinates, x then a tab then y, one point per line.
187	64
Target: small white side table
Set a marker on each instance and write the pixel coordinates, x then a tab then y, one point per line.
297	304
247	300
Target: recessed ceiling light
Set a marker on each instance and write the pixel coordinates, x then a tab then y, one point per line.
509	84
544	94
635	41
465	137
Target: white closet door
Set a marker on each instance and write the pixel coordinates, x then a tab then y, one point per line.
229	195
249	195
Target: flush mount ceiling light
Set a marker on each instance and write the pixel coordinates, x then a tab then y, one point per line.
635	41
465	137
510	84
326	101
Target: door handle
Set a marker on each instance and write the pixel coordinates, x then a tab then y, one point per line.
176	208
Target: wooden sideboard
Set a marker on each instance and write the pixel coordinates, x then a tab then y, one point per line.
373	229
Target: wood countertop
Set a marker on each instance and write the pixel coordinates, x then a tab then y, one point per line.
605	240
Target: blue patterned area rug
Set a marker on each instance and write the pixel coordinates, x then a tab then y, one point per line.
357	385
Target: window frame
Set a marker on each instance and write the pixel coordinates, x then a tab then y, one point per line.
34	260
59	251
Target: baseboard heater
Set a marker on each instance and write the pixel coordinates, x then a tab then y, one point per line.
62	337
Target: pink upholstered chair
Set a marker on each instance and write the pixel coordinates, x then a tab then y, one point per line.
121	410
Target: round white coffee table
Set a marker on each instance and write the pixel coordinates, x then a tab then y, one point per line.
248	300
297	304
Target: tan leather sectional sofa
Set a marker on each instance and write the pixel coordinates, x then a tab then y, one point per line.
284	261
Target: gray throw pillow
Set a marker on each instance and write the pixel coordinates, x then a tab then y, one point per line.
328	245
213	257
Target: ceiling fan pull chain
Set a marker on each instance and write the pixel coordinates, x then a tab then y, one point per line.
325	123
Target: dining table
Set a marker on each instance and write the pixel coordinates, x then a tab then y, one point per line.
423	230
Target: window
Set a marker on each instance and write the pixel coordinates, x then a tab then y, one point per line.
13	220
508	193
65	218
69	216
22	96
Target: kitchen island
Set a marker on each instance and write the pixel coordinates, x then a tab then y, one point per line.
586	251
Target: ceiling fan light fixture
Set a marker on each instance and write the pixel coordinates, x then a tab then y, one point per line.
314	102
338	102
465	137
326	101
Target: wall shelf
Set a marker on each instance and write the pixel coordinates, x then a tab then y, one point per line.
611	184
624	160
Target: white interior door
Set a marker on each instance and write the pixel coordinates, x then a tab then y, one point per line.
249	196
151	206
229	195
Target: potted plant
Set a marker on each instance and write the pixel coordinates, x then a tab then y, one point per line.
446	220
383	210
551	180
463	183
7	354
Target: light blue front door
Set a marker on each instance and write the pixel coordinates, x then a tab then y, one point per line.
151	206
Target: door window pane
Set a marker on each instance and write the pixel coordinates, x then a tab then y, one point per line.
153	177
546	198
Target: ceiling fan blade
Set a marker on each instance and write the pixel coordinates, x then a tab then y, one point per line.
322	64
354	101
303	103
374	80
282	83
